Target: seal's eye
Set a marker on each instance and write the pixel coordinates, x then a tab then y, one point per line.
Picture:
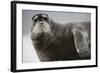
34	20
45	18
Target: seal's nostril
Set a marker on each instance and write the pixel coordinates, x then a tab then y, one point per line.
41	23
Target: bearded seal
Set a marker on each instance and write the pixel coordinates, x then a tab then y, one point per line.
56	42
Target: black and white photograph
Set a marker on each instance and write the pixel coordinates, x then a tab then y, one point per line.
56	36
47	36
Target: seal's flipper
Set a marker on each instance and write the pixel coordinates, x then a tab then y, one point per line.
81	39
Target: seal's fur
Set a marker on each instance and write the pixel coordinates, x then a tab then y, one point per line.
56	42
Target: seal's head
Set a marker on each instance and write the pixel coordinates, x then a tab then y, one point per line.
41	27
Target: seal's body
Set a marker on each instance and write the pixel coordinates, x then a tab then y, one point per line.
56	42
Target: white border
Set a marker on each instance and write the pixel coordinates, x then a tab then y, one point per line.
21	66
